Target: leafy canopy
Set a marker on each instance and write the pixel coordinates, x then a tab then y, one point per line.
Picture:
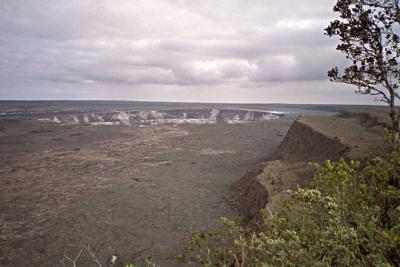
368	31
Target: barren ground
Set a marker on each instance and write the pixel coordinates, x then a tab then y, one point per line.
129	191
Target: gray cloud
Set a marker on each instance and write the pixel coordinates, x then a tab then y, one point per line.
165	50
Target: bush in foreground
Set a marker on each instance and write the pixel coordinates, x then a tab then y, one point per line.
348	216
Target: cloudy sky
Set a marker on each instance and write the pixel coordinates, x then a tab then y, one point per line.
170	50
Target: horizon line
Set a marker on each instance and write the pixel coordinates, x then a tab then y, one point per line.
378	103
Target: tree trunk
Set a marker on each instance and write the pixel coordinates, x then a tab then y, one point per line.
395	123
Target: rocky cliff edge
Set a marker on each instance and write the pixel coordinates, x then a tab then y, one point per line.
352	135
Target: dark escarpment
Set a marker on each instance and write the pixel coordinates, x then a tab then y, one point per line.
309	139
305	143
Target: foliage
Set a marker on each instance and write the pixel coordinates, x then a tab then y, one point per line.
348	216
369	37
113	261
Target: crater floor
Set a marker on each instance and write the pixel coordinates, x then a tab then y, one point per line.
125	190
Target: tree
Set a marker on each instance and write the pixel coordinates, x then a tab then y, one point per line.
369	36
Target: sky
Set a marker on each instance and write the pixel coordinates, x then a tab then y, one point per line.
253	51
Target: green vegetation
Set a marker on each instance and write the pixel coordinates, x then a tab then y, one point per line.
368	31
347	216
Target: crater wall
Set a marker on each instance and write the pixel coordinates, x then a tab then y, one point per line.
156	117
309	139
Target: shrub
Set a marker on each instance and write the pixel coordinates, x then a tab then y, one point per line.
347	216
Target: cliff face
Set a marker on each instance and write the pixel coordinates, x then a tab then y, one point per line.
157	117
305	143
309	139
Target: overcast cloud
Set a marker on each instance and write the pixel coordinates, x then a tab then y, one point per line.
169	50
